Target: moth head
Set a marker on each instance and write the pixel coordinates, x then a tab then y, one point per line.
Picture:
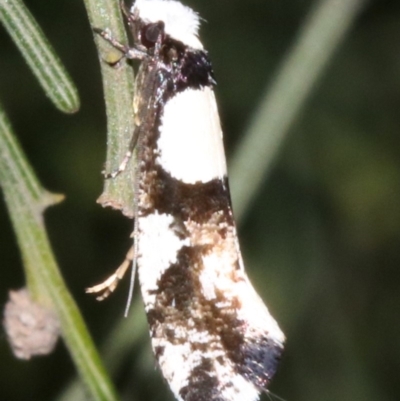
166	18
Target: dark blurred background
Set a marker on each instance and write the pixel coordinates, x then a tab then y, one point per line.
321	241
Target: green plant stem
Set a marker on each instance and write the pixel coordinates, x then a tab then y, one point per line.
118	96
319	37
39	55
26	201
122	338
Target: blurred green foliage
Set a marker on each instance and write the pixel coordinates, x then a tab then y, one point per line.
321	241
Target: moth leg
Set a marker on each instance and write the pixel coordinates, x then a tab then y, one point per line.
127	157
108	286
125	9
128	52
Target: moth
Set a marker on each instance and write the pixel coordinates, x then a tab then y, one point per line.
212	335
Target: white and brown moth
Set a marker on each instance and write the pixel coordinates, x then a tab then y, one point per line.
212	335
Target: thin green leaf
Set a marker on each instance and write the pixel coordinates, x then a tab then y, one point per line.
319	37
39	55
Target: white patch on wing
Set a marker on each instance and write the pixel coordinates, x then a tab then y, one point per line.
181	22
218	274
190	142
158	249
256	314
237	387
174	364
178	361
